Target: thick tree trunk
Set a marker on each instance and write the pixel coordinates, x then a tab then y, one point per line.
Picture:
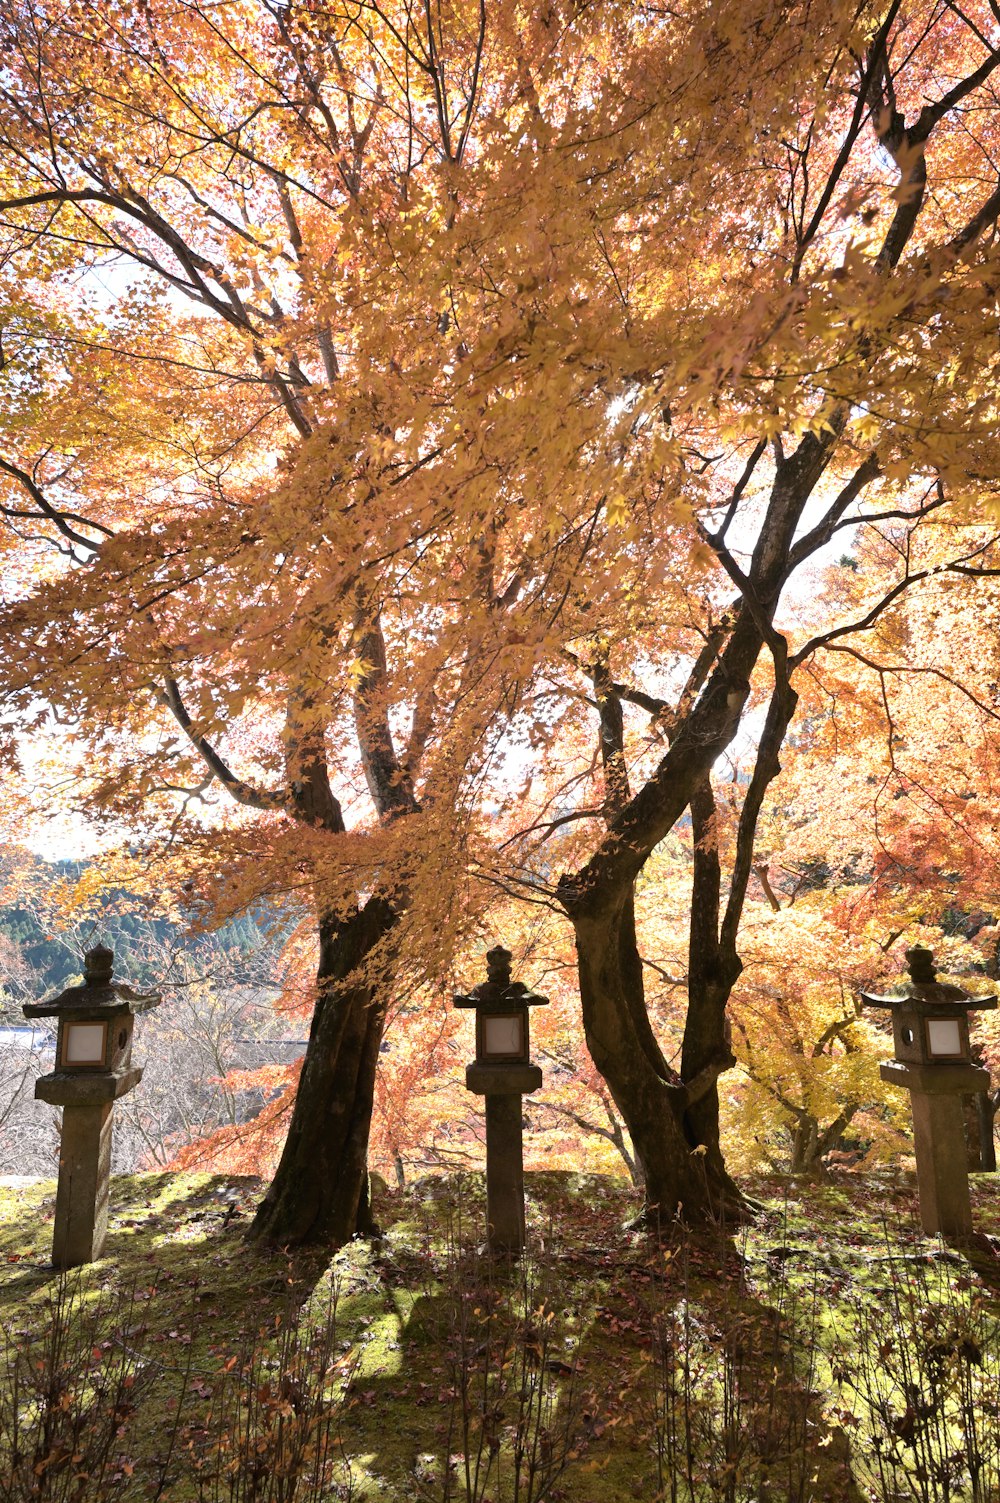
673	1120
652	1101
704	1057
805	1155
320	1191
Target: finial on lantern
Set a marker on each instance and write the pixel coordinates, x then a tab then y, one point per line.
98	964
498	966
920	964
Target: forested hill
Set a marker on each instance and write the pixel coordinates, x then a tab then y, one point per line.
41	952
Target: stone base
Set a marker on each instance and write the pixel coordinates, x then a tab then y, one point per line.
65	1088
935	1080
502	1080
82	1194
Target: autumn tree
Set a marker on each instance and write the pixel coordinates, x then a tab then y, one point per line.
884	817
268	521
831	376
210	428
413	393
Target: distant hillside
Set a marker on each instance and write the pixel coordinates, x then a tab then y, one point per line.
39	954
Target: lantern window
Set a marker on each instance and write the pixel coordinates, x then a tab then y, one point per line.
944	1036
503	1034
84	1044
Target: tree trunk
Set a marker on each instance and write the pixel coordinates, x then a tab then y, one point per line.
805	1154
673	1120
320	1192
712	974
678	1178
987	1106
810	1145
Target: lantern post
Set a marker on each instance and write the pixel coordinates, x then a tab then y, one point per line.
93	1068
502	1073
930	1027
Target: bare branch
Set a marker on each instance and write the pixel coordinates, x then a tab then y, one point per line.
61	520
242	792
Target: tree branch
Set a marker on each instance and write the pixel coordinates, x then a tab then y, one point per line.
61	520
612	740
763	877
170	696
766	768
388	780
824	530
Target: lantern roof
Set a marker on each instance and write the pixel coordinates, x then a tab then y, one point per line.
98	994
498	993
925	994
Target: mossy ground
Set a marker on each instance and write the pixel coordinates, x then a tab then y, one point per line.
814	1251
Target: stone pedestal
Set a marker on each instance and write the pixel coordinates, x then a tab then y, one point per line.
504	1175
84	1177
503	1086
939	1141
942	1175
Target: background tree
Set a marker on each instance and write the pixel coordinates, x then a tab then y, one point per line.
799	400
214	427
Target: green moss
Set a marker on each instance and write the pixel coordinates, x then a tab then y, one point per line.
587	1304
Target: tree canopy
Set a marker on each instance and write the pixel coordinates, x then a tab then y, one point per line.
424	431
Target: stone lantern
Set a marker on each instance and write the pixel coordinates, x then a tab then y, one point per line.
93	1068
930	1028
502	1073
